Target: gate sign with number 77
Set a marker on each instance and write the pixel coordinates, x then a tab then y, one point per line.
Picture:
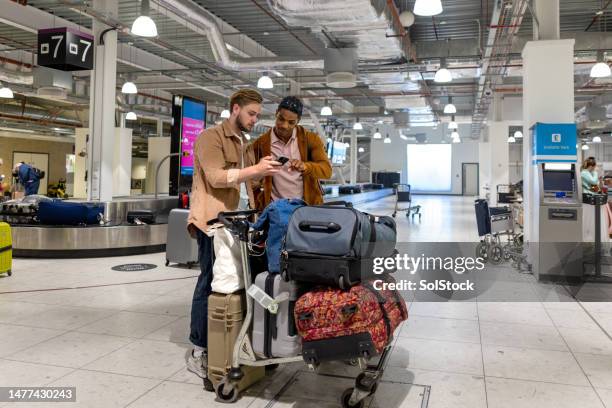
65	49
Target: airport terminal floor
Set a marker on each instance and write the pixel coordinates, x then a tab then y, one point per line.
121	338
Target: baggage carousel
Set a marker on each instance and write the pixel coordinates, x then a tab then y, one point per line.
115	238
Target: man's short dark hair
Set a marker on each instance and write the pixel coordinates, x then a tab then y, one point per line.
293	104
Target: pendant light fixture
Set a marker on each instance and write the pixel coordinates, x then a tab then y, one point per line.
518	134
453	125
455	135
511	139
387	139
596	139
357	125
443	75
144	26
6	92
131	116
326	110
427	7
265	82
449	108
225	114
129	87
585	147
377	135
601	69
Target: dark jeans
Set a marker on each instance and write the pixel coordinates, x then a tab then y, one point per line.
32	188
199	305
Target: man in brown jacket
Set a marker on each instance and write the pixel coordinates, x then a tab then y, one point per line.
308	161
221	178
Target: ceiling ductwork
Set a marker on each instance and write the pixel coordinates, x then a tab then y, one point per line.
341	67
401	119
198	18
360	24
51	83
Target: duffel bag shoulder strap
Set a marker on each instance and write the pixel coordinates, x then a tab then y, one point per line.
6	248
381	303
372	240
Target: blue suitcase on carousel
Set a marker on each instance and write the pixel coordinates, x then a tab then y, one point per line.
59	212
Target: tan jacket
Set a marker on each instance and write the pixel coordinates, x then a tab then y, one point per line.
217	163
315	160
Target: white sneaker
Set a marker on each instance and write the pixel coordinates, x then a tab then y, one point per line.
198	365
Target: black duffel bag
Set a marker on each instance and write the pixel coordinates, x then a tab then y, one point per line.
335	244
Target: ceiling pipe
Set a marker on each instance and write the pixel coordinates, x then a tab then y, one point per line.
195	15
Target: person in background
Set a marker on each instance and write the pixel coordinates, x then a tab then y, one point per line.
220	176
308	161
590	179
28	176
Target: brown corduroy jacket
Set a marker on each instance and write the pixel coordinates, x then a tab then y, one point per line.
316	163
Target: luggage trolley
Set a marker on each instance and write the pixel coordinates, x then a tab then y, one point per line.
226	390
403	195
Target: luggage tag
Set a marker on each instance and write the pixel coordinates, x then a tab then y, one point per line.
265	300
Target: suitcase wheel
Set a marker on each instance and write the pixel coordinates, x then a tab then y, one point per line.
226	392
346	398
9	272
167	262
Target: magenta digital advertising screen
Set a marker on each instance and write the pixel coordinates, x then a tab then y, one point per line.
192	123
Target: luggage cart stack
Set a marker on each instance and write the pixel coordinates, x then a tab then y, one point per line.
271	303
404	195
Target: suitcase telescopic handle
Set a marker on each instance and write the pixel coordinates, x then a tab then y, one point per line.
319	226
343	203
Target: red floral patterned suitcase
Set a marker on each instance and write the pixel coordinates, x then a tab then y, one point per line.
359	322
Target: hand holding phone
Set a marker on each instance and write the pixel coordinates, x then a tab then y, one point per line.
282	160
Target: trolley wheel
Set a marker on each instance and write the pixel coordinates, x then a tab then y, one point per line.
393	215
208	385
346	397
9	273
167	262
482	251
496	254
226	392
366	383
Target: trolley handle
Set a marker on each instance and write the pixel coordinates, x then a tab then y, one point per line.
226	217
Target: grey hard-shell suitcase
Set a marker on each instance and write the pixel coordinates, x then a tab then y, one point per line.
180	247
275	335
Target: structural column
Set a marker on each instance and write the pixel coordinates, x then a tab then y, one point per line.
100	146
548	97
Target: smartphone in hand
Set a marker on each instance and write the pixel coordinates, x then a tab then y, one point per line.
282	160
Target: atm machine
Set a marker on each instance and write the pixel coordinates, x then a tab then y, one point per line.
559	248
556	249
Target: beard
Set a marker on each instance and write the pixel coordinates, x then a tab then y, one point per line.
241	126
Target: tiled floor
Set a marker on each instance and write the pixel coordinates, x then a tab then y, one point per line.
123	342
